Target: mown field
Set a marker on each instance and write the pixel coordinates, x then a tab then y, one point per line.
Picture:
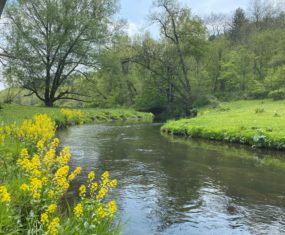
260	123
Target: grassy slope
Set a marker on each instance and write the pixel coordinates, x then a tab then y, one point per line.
259	123
16	113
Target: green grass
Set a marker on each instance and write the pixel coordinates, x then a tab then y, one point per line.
17	113
257	123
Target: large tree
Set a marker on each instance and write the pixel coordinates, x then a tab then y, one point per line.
181	45
53	41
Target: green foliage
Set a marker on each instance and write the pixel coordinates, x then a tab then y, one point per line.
49	42
238	25
150	98
275	78
182	69
257	90
277	94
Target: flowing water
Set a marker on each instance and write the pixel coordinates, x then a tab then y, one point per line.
181	187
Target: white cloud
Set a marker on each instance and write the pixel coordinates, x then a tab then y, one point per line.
139	28
134	28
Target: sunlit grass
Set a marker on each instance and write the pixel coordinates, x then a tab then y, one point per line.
17	113
258	123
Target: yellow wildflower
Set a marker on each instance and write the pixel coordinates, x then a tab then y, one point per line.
71	176
44	218
102	193
49	157
55	143
40	145
112	207
78	210
101	213
24	153
82	191
44	180
114	183
51	193
75	173
24	187
53	226
36	195
36	162
62	172
106	175
4	195
64	157
91	175
36	183
78	170
51	208
94	187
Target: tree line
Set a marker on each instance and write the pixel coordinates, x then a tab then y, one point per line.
64	49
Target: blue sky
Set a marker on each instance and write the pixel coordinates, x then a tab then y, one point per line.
136	11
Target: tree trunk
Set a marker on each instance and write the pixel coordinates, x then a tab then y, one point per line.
49	103
2	5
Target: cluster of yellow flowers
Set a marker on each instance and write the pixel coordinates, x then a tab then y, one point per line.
42	127
47	177
72	115
4	195
94	205
48	174
2	136
51	224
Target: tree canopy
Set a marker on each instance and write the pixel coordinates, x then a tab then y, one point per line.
50	42
61	49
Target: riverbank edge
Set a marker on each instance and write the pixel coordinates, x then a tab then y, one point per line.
256	139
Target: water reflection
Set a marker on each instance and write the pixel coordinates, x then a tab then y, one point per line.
170	187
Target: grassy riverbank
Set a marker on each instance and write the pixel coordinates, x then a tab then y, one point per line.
35	176
17	113
256	123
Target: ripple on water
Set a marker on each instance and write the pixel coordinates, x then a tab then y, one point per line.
174	188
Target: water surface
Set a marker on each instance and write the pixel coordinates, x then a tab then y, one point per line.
170	187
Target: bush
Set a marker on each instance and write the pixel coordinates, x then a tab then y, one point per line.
259	110
257	91
277	94
203	100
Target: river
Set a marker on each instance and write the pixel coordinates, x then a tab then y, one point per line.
180	187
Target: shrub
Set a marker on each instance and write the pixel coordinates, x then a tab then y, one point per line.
256	90
277	94
259	110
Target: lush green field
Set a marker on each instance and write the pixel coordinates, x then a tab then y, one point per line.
257	123
17	113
